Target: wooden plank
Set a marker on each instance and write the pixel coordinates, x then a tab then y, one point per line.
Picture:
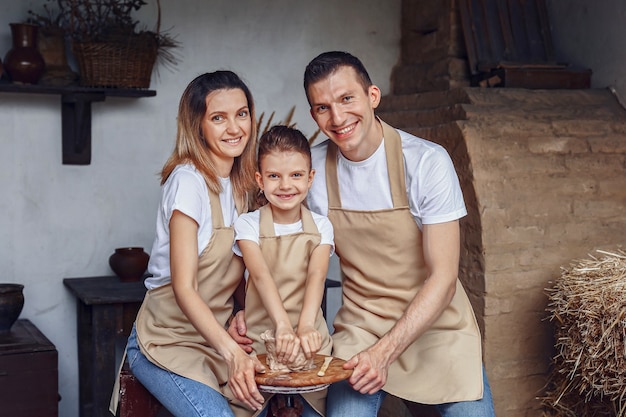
506	31
468	33
544	24
537	78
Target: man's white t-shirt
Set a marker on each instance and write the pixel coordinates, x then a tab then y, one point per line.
186	191
433	188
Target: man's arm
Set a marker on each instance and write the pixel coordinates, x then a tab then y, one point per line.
441	245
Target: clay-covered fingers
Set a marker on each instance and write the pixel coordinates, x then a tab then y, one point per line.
287	345
310	342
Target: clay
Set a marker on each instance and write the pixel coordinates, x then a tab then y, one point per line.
301	363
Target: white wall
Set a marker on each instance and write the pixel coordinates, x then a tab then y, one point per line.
59	221
590	34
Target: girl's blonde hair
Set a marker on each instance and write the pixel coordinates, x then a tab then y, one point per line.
190	146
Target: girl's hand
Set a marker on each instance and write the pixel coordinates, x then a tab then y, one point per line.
241	371
287	344
310	340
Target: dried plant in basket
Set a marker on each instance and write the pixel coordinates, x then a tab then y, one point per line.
587	304
111	48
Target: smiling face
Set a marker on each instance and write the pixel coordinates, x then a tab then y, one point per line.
226	127
344	111
285	179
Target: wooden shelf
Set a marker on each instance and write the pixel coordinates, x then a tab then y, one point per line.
76	113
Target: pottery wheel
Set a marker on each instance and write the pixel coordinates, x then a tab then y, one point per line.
301	381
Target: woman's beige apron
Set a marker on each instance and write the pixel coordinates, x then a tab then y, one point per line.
164	333
287	257
383	267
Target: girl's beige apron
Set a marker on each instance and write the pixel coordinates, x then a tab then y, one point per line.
164	333
287	257
383	267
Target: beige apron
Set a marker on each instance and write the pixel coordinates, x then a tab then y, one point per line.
383	267
164	333
287	257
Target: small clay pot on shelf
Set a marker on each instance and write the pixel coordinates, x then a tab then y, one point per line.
11	304
129	263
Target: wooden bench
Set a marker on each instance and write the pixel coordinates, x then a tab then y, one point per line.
135	399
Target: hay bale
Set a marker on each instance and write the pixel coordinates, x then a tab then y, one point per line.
588	307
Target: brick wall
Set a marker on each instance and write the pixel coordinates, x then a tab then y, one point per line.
543	174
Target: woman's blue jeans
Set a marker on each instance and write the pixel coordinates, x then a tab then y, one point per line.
183	397
344	401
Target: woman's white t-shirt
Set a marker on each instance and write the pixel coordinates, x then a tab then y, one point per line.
186	191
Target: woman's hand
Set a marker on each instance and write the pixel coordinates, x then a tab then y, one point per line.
287	344
310	340
241	371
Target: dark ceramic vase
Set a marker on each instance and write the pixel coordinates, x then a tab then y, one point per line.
11	304
24	63
129	263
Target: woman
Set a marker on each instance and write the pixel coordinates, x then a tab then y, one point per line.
178	348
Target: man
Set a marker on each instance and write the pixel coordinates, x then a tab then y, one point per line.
405	326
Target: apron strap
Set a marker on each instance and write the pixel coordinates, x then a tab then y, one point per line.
266	221
395	169
395	165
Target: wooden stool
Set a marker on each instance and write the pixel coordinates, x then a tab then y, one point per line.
135	399
285	405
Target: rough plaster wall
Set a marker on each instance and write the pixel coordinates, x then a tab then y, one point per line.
62	221
548	173
590	34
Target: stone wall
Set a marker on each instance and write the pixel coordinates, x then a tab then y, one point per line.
549	176
544	179
543	174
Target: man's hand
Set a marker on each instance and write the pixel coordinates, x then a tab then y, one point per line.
237	329
370	369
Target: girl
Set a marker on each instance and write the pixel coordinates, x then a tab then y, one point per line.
286	249
178	347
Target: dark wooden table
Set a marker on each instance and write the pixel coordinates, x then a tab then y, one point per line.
106	310
28	373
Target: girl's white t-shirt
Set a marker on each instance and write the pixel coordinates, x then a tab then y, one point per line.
186	191
433	188
248	224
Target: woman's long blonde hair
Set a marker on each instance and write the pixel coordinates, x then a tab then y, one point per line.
191	148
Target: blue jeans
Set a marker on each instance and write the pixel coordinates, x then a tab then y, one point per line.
183	397
343	401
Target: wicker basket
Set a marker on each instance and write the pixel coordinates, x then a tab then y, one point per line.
115	64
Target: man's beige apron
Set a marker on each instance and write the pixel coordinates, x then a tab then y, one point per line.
287	257
383	268
164	333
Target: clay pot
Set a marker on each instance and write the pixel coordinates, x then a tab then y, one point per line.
129	263
24	63
11	304
51	45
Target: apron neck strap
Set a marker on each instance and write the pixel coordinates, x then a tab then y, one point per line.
395	169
